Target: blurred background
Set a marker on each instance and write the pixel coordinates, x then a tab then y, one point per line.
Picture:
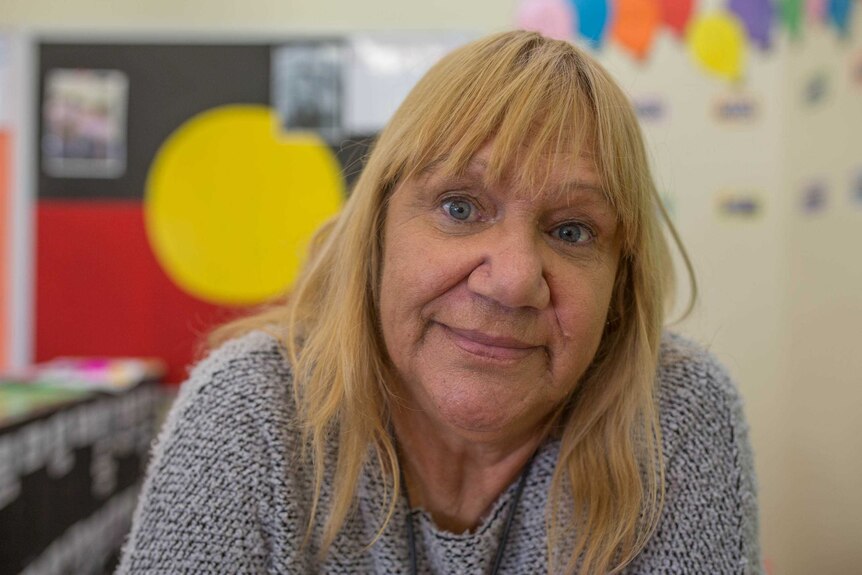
162	165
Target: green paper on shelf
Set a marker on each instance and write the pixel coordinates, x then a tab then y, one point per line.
21	400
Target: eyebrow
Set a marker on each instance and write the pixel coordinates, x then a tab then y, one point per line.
582	185
477	166
432	166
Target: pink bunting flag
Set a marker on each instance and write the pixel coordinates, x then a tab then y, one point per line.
816	11
551	18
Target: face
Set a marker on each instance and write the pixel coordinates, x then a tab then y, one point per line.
493	299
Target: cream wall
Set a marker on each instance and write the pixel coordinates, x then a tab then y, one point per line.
823	445
780	296
308	15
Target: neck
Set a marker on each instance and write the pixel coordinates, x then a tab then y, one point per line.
457	477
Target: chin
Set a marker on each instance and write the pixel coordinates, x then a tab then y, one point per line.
473	423
475	415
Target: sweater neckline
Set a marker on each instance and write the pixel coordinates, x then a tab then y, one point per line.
494	515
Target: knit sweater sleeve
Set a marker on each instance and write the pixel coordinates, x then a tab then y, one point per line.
200	507
709	523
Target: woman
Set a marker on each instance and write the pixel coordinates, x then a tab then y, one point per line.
470	375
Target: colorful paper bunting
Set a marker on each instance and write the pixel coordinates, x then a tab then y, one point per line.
593	16
757	16
718	44
551	18
635	24
676	15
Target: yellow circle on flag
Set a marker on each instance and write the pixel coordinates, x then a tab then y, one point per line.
230	206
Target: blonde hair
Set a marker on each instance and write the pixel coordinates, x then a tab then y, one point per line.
534	96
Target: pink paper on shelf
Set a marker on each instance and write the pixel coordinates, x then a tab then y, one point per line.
101	374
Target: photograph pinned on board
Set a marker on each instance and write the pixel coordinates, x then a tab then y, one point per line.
84	123
814	198
307	87
739	205
736	109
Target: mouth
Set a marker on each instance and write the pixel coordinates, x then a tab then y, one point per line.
490	346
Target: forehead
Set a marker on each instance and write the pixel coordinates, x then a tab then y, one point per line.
555	176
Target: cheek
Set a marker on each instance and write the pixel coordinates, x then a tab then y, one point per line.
581	312
401	284
407	284
417	270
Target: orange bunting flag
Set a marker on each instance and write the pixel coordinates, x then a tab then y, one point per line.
635	25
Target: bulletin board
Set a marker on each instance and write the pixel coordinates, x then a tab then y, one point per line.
101	288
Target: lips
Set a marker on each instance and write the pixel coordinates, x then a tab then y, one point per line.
490	346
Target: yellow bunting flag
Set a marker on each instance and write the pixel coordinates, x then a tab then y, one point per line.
718	43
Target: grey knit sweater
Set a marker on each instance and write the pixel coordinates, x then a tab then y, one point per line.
225	494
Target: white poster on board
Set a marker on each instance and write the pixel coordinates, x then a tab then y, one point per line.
382	70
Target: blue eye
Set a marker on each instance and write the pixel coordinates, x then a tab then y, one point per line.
458	209
573	233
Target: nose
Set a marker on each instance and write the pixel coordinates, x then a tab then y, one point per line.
511	271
